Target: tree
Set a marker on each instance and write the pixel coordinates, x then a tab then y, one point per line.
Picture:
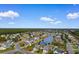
2	39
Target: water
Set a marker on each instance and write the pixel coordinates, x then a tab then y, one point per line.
47	40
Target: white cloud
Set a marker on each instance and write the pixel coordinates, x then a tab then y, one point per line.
57	22
9	14
11	23
46	19
50	20
73	15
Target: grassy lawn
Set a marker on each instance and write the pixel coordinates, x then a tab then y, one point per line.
8	49
74	47
40	51
22	44
50	52
37	41
77	33
29	48
76	51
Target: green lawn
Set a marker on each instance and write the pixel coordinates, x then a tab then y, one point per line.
22	44
40	51
29	48
8	49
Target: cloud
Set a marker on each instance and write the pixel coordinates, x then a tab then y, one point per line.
9	14
50	20
57	22
73	15
11	23
46	19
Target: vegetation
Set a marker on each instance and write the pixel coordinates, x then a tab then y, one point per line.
29	48
76	33
76	51
22	44
8	49
50	52
2	39
16	30
60	45
10	31
40	51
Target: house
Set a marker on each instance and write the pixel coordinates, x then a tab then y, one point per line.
45	51
58	51
7	44
58	38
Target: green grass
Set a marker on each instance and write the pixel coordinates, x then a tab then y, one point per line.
75	47
8	49
29	48
40	51
76	33
76	51
22	44
50	52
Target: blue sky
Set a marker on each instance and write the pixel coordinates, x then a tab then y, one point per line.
39	16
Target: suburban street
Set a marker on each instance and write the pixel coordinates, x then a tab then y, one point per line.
69	48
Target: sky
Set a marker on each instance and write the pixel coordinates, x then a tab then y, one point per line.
39	16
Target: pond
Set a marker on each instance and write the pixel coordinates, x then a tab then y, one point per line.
47	40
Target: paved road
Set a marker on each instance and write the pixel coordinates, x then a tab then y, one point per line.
18	48
69	48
